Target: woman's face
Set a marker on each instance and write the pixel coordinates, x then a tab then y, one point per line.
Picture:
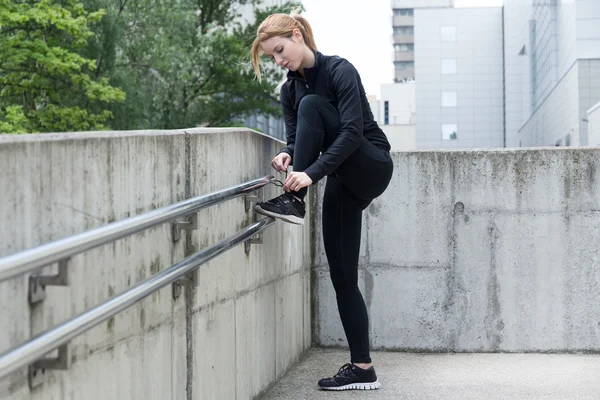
287	52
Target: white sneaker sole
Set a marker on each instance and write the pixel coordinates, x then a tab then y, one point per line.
287	218
356	386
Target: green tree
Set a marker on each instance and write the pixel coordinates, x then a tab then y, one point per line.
45	85
182	63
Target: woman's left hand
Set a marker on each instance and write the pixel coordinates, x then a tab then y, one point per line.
296	181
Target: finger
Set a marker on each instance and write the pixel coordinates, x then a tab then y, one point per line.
290	185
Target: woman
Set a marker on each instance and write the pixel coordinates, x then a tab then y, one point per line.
330	131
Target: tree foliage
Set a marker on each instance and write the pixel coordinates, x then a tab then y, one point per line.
42	75
182	63
70	64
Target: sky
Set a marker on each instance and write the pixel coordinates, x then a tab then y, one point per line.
362	35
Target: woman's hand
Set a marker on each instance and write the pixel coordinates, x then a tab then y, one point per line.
296	181
281	162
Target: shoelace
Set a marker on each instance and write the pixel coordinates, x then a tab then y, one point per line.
277	182
344	370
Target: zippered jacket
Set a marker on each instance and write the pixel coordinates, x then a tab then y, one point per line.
335	79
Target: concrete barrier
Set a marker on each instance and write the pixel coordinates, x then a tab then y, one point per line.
231	336
478	251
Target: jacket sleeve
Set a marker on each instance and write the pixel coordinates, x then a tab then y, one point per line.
345	84
289	117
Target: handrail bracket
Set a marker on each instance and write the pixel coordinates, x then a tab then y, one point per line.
39	281
188	225
37	371
249	201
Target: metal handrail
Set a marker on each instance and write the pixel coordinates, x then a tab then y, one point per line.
46	254
49	340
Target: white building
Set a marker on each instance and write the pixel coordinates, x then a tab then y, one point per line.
403	24
459	77
395	114
593	120
552	52
527	74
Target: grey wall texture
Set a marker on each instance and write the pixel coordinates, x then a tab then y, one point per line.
229	337
478	251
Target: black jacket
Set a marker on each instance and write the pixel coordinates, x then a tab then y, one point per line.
335	79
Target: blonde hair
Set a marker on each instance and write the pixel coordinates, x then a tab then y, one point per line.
280	25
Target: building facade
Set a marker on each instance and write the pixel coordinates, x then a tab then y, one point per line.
459	77
552	70
403	24
527	74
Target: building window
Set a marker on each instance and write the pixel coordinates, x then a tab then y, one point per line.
403	11
404	64
405	30
386	113
448	33
404	47
448	66
449	99
449	132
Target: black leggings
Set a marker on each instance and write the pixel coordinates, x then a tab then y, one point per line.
363	176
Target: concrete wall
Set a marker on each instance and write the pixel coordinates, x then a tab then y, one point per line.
479	251
468	68
230	337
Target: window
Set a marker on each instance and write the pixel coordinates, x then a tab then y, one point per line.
386	113
448	33
404	64
449	132
449	99
403	11
404	47
448	66
404	30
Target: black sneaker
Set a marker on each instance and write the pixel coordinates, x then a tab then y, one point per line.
286	207
351	377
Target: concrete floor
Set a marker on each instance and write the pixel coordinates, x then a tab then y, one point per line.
452	376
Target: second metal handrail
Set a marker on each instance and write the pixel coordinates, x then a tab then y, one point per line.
47	341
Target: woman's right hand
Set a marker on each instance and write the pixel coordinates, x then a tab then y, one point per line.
281	162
